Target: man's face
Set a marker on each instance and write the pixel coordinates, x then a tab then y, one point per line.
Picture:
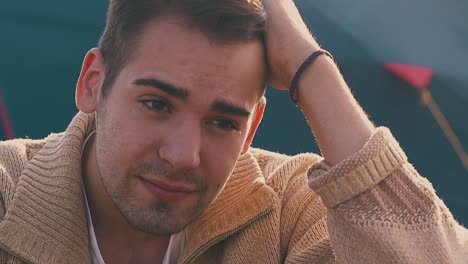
174	123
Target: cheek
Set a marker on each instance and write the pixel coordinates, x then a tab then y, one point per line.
121	140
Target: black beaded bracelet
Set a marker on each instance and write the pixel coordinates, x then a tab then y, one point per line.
297	76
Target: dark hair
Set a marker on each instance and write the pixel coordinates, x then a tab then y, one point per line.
224	21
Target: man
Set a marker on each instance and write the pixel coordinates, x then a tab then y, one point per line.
156	167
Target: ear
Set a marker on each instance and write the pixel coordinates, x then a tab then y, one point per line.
90	81
255	123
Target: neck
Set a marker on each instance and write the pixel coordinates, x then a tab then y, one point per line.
118	241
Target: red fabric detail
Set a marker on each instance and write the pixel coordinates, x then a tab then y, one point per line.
416	75
7	128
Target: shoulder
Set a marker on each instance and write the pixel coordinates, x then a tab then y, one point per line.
273	163
17	151
15	155
281	170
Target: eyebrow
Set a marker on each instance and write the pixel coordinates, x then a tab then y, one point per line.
173	90
229	108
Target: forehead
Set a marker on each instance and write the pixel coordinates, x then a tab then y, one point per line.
173	50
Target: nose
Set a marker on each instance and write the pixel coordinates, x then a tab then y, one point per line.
182	145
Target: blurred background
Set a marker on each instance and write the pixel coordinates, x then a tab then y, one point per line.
405	62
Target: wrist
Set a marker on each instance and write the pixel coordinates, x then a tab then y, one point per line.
311	59
322	74
296	59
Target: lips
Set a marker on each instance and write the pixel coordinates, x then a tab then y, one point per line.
167	191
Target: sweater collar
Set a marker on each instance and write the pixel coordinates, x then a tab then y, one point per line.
244	199
46	221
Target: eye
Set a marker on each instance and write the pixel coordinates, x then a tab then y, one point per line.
225	124
157	105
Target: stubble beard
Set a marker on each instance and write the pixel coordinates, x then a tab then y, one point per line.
159	217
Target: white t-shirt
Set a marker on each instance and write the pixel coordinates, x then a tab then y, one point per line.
96	257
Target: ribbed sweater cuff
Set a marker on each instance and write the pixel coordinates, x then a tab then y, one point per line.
380	156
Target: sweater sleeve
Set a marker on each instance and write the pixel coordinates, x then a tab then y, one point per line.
380	210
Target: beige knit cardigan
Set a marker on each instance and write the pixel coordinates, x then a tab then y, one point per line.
371	208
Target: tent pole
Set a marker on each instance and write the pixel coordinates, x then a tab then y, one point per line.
444	124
